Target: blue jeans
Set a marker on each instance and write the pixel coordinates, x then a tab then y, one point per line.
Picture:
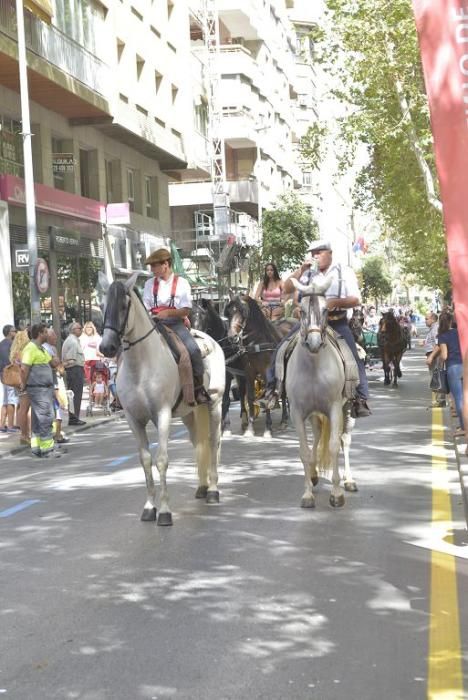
455	382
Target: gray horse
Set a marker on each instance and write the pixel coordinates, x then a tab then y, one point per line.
314	385
148	388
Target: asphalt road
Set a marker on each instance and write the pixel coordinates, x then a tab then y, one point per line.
254	598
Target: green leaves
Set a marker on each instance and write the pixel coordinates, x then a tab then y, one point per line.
380	76
287	230
376	282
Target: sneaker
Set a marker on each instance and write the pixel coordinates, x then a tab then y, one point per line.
62	440
76	421
361	409
13	430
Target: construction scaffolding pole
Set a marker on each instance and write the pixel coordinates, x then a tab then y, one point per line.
221	205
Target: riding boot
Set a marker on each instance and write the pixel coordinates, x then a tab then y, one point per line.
360	408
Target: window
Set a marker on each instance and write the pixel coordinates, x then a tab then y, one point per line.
201	118
307	178
152	197
131	189
11	147
89	183
63	164
113	180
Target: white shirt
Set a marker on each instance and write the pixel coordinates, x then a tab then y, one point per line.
349	283
183	295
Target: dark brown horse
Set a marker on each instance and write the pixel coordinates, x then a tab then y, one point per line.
392	342
256	338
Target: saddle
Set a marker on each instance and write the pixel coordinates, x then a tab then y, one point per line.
182	358
341	346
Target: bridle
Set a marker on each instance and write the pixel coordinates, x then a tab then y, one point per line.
243	312
119	333
308	329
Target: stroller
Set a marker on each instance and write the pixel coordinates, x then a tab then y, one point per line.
99	393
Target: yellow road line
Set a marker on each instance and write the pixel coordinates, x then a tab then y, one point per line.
445	678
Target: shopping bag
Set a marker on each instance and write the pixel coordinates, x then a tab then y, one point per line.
439	382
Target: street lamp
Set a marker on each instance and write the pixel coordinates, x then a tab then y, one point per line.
28	165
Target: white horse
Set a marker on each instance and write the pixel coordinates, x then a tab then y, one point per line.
315	381
149	389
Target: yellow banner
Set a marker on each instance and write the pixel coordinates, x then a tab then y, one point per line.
40	8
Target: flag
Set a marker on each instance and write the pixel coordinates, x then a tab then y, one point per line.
443	38
41	8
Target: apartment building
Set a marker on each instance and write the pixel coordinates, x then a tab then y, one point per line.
108	98
258	83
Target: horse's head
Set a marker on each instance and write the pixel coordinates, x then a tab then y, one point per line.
199	317
118	317
314	313
237	314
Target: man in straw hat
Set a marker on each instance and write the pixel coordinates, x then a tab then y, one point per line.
342	296
168	297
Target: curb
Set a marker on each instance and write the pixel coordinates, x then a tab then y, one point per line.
70	431
462	463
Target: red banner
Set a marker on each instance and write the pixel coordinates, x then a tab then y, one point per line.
443	38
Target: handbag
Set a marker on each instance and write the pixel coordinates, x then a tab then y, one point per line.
439	381
11	376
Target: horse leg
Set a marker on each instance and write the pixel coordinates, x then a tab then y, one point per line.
244	416
250	399
139	431
386	369
162	460
396	369
316	424
268	425
305	453
225	421
348	425
336	417
214	437
189	422
284	411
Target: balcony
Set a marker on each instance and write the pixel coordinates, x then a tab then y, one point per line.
186	194
62	75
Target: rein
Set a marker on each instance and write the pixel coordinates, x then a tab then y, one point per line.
119	333
315	329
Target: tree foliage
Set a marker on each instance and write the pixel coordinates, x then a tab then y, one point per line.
380	77
376	283
287	229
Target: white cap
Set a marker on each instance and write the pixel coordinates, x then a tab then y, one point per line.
321	244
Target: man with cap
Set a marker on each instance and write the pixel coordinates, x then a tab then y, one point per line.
342	296
168	298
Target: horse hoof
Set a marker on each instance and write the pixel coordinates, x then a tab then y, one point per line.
249	434
165	519
315	480
148	515
337	501
227	433
267	435
212	497
308	502
283	426
351	486
201	492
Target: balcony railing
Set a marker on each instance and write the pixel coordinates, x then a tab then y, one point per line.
57	48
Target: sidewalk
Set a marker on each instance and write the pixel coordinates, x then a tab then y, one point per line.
10	444
461	447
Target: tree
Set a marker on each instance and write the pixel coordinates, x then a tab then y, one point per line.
380	78
287	230
375	281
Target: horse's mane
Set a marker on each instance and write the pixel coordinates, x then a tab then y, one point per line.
260	325
215	322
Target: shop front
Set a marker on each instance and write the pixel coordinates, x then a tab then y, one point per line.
69	238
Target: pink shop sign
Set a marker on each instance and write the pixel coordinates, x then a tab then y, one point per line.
52	200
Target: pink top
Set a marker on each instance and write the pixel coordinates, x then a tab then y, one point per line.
270	295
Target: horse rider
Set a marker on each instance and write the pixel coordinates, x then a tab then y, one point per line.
342	297
168	298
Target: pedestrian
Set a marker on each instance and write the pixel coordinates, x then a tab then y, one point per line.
9	394
60	394
269	293
168	297
37	375
342	297
90	341
430	342
73	361
448	350
23	413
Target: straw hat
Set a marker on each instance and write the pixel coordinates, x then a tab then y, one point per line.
158	256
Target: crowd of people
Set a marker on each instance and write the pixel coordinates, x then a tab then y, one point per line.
47	386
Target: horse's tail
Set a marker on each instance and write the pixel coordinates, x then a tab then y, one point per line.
202	444
323	452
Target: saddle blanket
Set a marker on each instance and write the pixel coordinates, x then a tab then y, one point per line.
349	363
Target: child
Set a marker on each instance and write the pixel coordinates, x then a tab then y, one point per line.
99	390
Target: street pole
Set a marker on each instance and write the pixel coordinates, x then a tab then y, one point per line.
28	165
